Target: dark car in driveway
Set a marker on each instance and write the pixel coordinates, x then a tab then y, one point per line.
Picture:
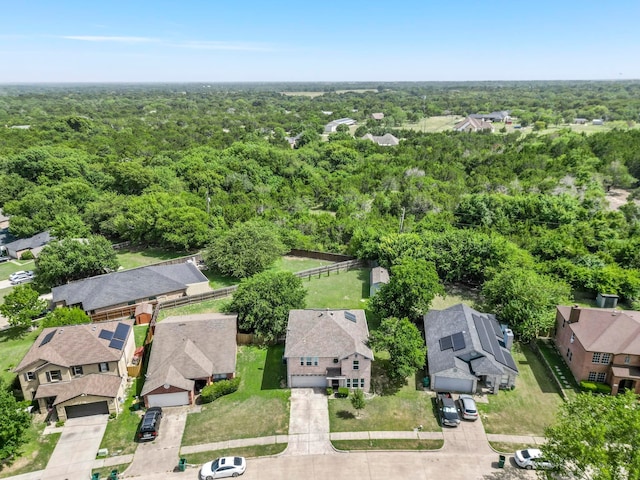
150	426
448	411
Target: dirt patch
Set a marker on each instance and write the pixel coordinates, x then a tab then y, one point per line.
616	197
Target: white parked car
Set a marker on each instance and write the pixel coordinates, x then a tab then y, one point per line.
21	277
223	467
15	275
531	458
468	407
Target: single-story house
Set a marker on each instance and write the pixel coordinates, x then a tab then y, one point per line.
331	127
328	348
33	244
580	121
78	370
597	121
470	124
386	140
467	349
187	353
378	277
117	294
600	345
377	116
499	116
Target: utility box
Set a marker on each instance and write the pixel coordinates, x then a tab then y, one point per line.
607	300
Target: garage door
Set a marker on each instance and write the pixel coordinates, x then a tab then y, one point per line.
446	384
97	408
308	381
169	399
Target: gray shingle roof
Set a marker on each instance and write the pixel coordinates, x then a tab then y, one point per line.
191	347
39	240
483	357
327	333
128	285
74	345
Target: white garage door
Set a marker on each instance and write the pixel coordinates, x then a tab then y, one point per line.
169	399
446	384
308	381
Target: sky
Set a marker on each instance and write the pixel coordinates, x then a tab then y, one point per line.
93	41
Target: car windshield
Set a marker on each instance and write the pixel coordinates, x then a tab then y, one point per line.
214	465
449	410
526	454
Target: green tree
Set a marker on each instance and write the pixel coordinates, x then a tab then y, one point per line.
67	260
525	299
263	301
246	249
22	305
65	316
404	343
596	437
14	421
357	400
411	288
184	228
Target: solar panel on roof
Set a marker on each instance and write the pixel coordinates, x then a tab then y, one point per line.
482	334
117	344
105	335
446	343
458	341
48	337
121	331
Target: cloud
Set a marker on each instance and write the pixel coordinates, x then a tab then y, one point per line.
96	38
212	45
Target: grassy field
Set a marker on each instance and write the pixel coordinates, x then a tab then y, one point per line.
456	294
338	290
140	333
139	258
248	452
527	409
439	123
259	408
120	436
7	268
388	444
34	455
14	344
558	365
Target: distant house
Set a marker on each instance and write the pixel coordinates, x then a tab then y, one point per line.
580	121
189	352
379	276
332	126
470	124
500	116
468	350
328	348
377	116
78	370
597	121
33	244
601	345
293	141
116	295
386	140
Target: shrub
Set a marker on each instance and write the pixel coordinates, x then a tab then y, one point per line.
343	392
218	389
329	391
28	255
60	423
594	387
603	388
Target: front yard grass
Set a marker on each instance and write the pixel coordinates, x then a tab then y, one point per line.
259	408
248	452
34	454
14	343
504	447
527	409
120	436
388	444
133	258
555	360
7	268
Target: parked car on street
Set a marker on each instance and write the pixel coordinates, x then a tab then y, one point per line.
150	426
17	274
21	277
448	411
531	458
468	407
223	467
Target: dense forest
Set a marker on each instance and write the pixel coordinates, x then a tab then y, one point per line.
175	165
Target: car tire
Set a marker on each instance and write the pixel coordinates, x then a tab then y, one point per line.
529	467
209	477
235	474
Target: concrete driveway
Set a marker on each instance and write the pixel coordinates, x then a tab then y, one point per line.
308	423
162	454
76	450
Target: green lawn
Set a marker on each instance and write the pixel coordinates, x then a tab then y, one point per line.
7	268
297	264
106	471
35	454
558	365
207	306
120	436
139	258
4	292
527	409
140	333
388	444
14	344
456	293
248	452
338	289
438	123
259	408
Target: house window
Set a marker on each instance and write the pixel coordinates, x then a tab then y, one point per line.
627	359
596	358
348	383
563	323
602	376
356	364
592	376
606	358
362	383
570	355
219	376
76	370
30	376
103	367
301	361
54	376
573	337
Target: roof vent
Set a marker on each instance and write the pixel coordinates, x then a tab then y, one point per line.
350	316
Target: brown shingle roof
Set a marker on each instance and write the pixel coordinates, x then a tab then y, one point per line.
100	385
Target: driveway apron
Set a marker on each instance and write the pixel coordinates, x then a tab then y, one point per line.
308	423
161	455
77	447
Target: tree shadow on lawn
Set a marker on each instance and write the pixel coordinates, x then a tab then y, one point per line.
365	277
382	383
275	370
13	333
345	415
540	372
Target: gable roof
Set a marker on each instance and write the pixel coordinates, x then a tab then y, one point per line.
475	124
190	347
379	275
75	345
92	384
327	333
605	330
38	240
128	285
460	333
386	140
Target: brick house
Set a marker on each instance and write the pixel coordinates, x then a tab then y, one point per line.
328	348
600	345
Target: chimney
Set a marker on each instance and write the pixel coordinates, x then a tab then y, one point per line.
574	316
508	338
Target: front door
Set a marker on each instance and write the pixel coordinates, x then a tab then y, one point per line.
626	384
335	383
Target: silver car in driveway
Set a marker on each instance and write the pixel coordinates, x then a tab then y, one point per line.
468	407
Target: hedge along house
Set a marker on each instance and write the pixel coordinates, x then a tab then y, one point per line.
468	350
187	353
78	370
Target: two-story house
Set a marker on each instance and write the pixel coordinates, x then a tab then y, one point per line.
600	345
328	348
78	370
